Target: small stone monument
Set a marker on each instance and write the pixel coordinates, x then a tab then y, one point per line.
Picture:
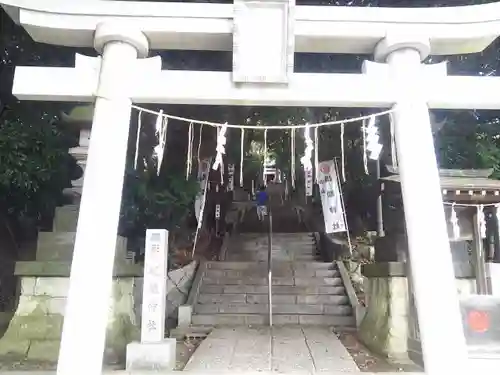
154	352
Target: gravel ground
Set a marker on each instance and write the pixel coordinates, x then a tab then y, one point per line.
369	362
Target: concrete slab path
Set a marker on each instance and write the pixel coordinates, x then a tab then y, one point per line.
285	350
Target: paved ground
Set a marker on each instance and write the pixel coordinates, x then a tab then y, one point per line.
286	350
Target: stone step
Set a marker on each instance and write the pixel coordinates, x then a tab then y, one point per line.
257	254
304	272
278	289
276	265
276	234
276	248
321	299
298	281
263	257
278	309
256	319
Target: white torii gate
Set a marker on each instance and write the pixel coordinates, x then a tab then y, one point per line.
124	31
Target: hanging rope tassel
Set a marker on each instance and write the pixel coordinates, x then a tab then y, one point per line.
199	145
342	150
316	153
242	156
264	179
138	139
482	220
189	160
365	155
454	222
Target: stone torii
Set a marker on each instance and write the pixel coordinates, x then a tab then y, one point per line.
123	32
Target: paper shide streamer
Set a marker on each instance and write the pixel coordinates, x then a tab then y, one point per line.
242	155
365	154
189	160
316	153
161	133
342	150
138	139
221	150
264	179
309	148
482	220
199	145
454	222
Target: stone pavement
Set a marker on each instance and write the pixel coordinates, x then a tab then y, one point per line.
286	350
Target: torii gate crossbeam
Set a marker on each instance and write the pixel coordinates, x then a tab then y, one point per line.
217	88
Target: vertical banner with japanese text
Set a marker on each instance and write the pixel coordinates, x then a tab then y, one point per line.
331	199
203	173
154	294
230	177
308	178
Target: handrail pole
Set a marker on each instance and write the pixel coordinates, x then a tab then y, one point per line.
270	268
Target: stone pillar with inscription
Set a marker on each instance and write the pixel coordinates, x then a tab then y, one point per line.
154	351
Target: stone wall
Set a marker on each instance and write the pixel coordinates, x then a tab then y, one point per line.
387	326
178	286
34	333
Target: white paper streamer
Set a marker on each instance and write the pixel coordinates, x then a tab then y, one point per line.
189	159
199	144
316	152
137	141
220	149
365	155
309	148
242	155
482	220
342	131
161	132
264	179
454	222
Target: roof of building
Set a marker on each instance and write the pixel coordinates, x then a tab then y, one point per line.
461	184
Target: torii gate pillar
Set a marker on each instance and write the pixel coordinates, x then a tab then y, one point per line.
82	345
431	263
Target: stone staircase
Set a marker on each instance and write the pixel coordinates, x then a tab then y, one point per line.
305	290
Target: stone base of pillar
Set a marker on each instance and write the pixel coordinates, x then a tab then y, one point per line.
34	333
385	329
160	356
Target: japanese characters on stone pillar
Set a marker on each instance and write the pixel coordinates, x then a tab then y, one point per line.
155	286
263	53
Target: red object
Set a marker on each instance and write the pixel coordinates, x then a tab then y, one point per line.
479	321
325	168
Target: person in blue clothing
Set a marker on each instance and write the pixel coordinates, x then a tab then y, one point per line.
261	200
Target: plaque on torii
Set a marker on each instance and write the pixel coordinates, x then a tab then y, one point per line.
263	41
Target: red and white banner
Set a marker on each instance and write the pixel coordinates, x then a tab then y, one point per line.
331	199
